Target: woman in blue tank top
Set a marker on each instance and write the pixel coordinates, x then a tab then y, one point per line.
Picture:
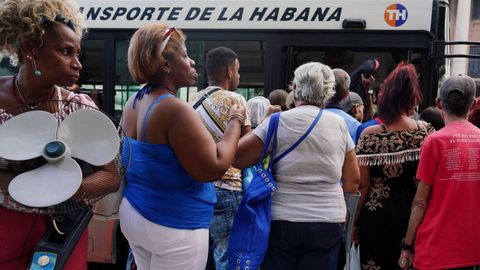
168	202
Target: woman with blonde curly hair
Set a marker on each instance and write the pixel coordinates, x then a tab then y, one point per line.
45	36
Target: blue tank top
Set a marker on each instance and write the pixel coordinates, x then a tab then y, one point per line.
159	188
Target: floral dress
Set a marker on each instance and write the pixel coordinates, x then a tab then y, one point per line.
393	159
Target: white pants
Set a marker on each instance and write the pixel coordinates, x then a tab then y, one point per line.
158	247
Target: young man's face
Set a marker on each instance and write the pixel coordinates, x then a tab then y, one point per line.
235	76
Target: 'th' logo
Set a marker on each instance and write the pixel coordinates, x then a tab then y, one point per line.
396	15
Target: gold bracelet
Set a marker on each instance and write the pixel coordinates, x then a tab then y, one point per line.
237	114
239	117
242	120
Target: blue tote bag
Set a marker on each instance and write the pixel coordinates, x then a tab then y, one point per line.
251	226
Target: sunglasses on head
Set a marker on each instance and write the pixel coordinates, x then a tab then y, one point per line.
166	37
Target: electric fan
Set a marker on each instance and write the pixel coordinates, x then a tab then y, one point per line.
52	147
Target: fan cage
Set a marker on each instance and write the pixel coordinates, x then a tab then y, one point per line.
59	109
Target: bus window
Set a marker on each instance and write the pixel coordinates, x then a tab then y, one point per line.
252	68
251	55
345	59
125	86
474	63
249	93
348	60
91	76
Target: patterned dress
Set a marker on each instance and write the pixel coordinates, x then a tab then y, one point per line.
393	159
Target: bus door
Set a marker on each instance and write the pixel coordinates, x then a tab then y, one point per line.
348	50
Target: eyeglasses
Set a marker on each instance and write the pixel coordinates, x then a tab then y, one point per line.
166	38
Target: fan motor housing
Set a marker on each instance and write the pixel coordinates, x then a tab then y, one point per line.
55	150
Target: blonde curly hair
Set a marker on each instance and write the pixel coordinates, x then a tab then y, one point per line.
25	21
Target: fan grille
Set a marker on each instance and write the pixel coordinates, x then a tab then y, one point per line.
84	197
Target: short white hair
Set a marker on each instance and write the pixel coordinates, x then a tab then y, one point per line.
313	82
258	107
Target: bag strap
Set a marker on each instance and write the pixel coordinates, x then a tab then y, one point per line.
272	131
275	160
200	101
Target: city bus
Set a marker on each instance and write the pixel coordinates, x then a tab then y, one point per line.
271	37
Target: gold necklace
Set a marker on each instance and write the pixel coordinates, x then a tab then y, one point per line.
22	100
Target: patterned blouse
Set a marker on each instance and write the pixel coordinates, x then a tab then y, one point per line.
390	155
215	113
61	108
391	147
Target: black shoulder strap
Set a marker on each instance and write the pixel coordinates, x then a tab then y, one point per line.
215	88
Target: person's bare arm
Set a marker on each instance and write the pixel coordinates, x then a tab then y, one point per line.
350	173
419	208
104	181
365	171
195	148
367	84
249	151
246	130
248	121
363	187
6	176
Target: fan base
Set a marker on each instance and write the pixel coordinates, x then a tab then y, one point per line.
56	248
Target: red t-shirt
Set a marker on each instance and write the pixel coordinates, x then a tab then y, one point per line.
449	235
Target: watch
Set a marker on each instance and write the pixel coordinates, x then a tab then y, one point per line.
405	246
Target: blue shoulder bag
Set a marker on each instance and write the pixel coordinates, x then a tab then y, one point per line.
251	226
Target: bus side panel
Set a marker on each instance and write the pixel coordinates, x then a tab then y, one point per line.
101	241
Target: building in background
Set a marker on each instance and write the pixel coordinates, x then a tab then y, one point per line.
465	25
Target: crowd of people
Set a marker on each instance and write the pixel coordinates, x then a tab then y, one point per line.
191	162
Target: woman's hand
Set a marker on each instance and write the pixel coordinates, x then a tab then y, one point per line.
406	259
237	109
367	83
273	109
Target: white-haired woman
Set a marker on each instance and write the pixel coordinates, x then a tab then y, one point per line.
308	209
259	109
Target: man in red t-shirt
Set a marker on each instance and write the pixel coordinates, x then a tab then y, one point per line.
445	219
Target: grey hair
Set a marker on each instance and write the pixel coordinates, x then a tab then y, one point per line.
314	83
258	107
342	84
342	78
